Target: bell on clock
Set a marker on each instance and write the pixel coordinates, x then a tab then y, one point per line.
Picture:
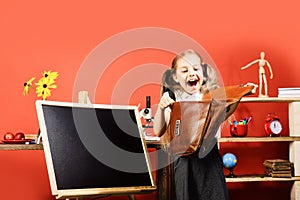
273	125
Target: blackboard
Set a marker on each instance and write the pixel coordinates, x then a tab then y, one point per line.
93	148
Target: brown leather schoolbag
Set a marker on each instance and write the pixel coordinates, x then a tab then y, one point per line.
193	122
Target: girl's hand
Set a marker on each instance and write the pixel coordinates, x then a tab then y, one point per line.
165	102
252	84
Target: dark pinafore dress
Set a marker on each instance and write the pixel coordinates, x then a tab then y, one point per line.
200	178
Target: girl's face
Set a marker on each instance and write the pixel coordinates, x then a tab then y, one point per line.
189	73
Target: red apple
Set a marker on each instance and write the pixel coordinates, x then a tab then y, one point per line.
9	136
20	136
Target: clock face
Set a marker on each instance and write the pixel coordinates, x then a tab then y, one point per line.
275	127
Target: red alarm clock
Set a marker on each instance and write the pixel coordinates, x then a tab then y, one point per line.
273	125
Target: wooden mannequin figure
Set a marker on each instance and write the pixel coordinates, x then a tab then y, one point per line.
262	74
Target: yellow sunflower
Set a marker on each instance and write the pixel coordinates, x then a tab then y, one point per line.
43	87
51	75
28	85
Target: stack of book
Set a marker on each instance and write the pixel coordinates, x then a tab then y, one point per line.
289	92
278	168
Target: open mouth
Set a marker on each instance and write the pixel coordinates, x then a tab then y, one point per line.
192	82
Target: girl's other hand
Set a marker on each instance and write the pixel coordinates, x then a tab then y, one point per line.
252	84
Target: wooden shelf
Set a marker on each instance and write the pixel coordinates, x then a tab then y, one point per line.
258	178
21	147
270	99
258	139
225	139
155	144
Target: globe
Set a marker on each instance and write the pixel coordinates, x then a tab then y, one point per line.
229	161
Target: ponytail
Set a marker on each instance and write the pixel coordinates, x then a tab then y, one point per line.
167	82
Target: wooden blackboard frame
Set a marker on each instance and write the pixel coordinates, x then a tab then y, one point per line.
55	119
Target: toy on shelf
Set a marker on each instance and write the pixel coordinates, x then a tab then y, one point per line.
146	113
262	74
147	121
229	162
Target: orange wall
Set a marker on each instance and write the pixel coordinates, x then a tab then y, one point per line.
59	35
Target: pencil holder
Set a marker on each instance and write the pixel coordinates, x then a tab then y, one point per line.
238	130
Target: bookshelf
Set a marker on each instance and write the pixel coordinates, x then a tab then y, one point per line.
293	139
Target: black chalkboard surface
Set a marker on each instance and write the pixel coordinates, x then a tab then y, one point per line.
94	149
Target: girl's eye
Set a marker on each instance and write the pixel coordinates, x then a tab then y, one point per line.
196	68
184	70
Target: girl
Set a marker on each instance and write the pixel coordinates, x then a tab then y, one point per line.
188	80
